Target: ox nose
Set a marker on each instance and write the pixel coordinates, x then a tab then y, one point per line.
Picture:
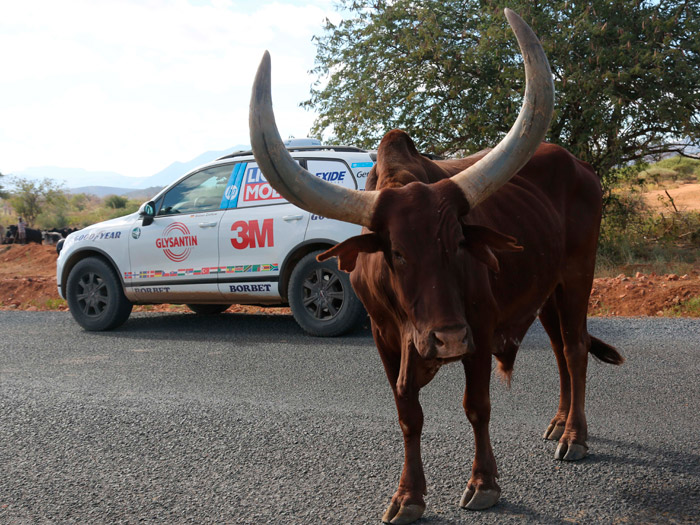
450	342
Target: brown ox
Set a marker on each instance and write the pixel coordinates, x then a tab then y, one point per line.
456	261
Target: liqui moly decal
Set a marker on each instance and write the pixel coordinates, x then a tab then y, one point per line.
257	189
177	242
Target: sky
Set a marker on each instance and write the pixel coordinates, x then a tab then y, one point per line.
131	86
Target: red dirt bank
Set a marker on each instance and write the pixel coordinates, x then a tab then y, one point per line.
28	282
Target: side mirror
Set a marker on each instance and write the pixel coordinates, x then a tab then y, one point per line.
147	212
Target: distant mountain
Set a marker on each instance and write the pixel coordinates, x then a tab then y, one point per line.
74	177
103	191
78	179
100	191
143	194
176	169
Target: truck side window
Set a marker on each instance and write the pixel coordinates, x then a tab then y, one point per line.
198	193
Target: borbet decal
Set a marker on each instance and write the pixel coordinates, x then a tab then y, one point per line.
251	235
177	242
248	288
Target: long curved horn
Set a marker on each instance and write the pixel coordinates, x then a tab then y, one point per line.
294	183
483	178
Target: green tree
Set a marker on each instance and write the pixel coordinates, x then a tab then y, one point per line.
54	212
116	202
29	198
79	201
626	73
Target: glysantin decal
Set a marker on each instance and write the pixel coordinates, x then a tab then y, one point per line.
177	242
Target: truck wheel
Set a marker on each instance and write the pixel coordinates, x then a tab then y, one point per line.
208	309
95	296
322	300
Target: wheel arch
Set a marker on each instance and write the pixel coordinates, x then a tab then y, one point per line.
295	255
79	255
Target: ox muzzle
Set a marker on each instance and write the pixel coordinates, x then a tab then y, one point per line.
446	343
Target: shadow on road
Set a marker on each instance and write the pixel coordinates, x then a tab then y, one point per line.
672	475
239	328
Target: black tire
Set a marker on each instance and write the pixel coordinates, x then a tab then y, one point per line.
208	309
322	300
95	296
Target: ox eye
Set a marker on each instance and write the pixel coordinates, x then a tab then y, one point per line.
398	257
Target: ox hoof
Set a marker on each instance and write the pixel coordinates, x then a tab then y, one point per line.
397	514
554	432
479	499
570	452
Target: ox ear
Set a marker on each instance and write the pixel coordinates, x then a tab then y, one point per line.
481	242
348	250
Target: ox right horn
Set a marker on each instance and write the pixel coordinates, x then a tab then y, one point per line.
294	183
483	178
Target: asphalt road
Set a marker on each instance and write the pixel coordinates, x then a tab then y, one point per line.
242	419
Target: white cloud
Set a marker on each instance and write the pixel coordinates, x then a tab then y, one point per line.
130	86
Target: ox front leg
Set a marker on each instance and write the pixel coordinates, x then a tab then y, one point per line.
482	490
407	505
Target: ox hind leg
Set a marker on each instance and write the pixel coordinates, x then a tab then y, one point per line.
549	317
564	318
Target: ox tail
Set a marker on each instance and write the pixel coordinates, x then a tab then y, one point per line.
604	352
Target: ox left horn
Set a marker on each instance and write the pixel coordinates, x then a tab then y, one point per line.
294	183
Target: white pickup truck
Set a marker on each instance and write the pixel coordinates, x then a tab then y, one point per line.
220	235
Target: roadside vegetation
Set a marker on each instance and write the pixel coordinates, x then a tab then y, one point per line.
46	204
640	234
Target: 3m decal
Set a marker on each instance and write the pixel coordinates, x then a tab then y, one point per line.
251	235
159	289
362	164
176	242
210	270
317	217
136	233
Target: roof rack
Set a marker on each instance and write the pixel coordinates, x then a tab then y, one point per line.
300	148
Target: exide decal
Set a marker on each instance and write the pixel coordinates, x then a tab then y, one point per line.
331	176
177	242
251	235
